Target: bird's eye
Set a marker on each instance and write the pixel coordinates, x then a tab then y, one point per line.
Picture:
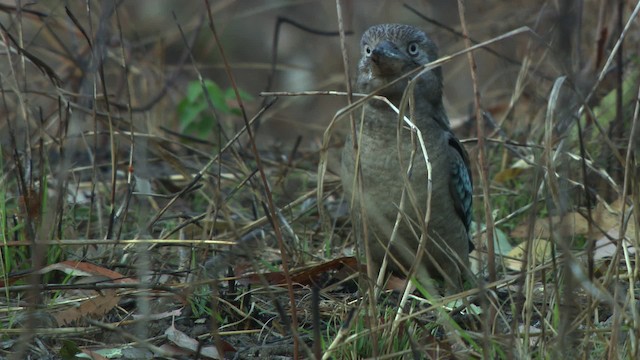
367	49
412	49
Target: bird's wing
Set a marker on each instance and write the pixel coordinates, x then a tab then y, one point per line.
460	183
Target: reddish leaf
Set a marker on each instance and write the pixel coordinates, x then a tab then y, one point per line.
306	276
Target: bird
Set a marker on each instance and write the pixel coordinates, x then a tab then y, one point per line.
382	156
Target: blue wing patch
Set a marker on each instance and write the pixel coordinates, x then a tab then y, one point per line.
461	182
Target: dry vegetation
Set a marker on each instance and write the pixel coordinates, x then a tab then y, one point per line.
154	204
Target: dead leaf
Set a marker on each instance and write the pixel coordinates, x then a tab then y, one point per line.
511	173
605	248
573	223
80	268
305	276
95	306
92	303
606	217
540	248
183	341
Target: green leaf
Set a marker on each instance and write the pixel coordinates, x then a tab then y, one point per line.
69	350
231	95
194	91
204	127
190	114
501	243
192	110
217	97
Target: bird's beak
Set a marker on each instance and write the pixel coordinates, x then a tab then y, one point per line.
387	58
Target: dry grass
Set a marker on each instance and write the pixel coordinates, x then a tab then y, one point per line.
126	229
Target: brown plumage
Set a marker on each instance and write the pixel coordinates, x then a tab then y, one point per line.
389	51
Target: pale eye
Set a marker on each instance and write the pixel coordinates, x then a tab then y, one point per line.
412	49
367	49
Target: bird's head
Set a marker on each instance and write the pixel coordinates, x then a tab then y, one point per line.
390	51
